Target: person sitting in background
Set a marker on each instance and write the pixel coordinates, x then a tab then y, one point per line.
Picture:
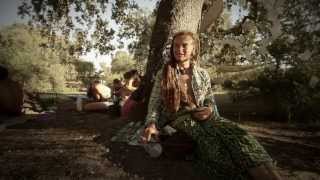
133	80
98	91
131	83
134	107
11	94
116	93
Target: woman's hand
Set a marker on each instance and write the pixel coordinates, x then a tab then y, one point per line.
202	114
149	131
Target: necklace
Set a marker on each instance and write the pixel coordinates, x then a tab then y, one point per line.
184	71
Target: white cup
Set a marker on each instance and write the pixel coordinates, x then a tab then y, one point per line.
79	103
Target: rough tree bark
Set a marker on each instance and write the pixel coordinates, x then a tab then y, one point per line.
174	16
211	11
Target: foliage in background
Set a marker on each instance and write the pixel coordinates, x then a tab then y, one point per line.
136	24
291	56
281	35
295	95
36	67
300	22
110	77
122	62
85	71
75	20
237	43
107	75
294	81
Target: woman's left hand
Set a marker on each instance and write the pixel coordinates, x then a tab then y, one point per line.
203	114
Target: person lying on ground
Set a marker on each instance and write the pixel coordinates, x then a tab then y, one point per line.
99	91
101	96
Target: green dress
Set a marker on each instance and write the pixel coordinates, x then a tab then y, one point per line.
223	149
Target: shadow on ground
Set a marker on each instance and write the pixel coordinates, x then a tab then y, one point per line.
76	145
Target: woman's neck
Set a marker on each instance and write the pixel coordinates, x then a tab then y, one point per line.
184	64
185	68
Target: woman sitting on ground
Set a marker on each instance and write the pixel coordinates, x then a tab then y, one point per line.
182	97
131	83
129	102
134	107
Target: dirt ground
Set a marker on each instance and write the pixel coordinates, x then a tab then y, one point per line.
76	145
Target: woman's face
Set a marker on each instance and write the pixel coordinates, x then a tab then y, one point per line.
136	82
183	48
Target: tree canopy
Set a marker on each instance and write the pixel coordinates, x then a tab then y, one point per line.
122	62
273	33
84	21
36	67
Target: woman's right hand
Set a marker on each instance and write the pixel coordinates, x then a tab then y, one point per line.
149	131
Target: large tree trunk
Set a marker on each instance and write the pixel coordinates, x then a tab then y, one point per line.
173	16
211	11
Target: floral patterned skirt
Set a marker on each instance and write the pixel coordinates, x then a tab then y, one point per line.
223	149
